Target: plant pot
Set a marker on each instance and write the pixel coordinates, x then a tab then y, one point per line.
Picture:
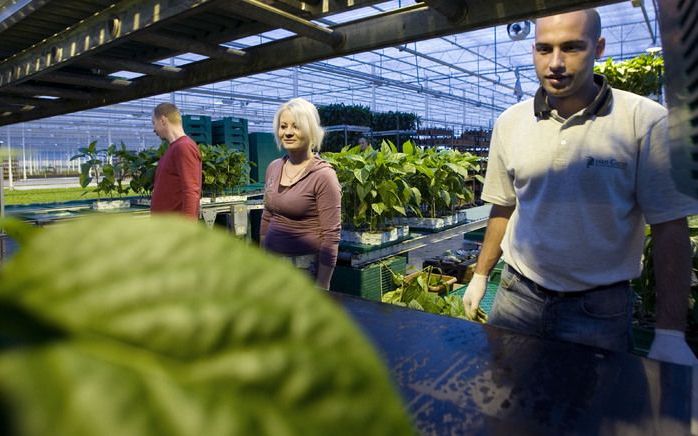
222	199
472	214
426	223
141	201
103	205
370	238
441	283
402	231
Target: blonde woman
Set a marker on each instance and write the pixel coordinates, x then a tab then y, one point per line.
302	196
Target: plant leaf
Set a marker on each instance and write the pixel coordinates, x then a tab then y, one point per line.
176	329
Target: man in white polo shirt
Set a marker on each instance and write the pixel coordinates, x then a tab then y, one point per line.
573	176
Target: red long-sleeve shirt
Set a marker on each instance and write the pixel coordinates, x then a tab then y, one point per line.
177	186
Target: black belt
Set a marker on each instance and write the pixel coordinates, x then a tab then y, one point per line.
563	294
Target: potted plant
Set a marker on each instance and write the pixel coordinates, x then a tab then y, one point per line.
141	167
224	170
440	177
414	292
109	172
435	282
643	74
374	191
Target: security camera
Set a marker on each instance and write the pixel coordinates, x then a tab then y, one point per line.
519	30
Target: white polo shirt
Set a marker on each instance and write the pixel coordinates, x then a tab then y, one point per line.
583	187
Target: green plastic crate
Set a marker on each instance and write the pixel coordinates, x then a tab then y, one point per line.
369	282
198	128
232	132
262	152
475	235
496	273
487	300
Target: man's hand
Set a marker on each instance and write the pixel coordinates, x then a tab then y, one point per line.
670	346
474	293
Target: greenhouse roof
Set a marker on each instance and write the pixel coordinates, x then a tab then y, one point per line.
458	81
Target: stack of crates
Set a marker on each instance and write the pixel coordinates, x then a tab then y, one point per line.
232	132
262	151
198	128
371	281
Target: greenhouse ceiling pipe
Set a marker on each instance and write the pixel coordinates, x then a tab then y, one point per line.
460	78
471	51
406	86
334	70
462	70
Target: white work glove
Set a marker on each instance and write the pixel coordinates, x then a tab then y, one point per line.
671	346
474	293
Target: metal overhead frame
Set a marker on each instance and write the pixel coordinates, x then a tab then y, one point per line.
119	32
462	70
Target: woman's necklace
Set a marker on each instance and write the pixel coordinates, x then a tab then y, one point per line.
290	179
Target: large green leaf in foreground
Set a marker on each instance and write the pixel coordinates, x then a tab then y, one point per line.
119	326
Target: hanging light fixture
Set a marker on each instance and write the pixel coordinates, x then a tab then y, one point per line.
519	30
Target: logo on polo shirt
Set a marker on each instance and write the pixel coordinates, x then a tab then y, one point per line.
605	163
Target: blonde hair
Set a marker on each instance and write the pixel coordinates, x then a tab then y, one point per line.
169	111
307	120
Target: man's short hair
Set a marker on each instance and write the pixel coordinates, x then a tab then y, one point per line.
169	111
593	23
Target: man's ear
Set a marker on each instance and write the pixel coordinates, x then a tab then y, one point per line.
600	47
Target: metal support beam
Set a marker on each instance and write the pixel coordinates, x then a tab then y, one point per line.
11	15
130	65
191	45
455	11
85	80
257	11
320	7
24	101
389	29
641	4
10	108
33	90
93	34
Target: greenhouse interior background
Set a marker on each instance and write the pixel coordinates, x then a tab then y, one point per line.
454	83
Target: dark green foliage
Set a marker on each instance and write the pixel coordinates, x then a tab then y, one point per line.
645	285
381	184
374	187
359	115
224	169
141	167
643	75
107	166
414	293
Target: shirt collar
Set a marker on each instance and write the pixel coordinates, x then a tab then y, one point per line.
598	106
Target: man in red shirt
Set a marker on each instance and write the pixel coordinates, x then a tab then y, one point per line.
177	186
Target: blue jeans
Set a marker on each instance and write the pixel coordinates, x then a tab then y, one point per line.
601	317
